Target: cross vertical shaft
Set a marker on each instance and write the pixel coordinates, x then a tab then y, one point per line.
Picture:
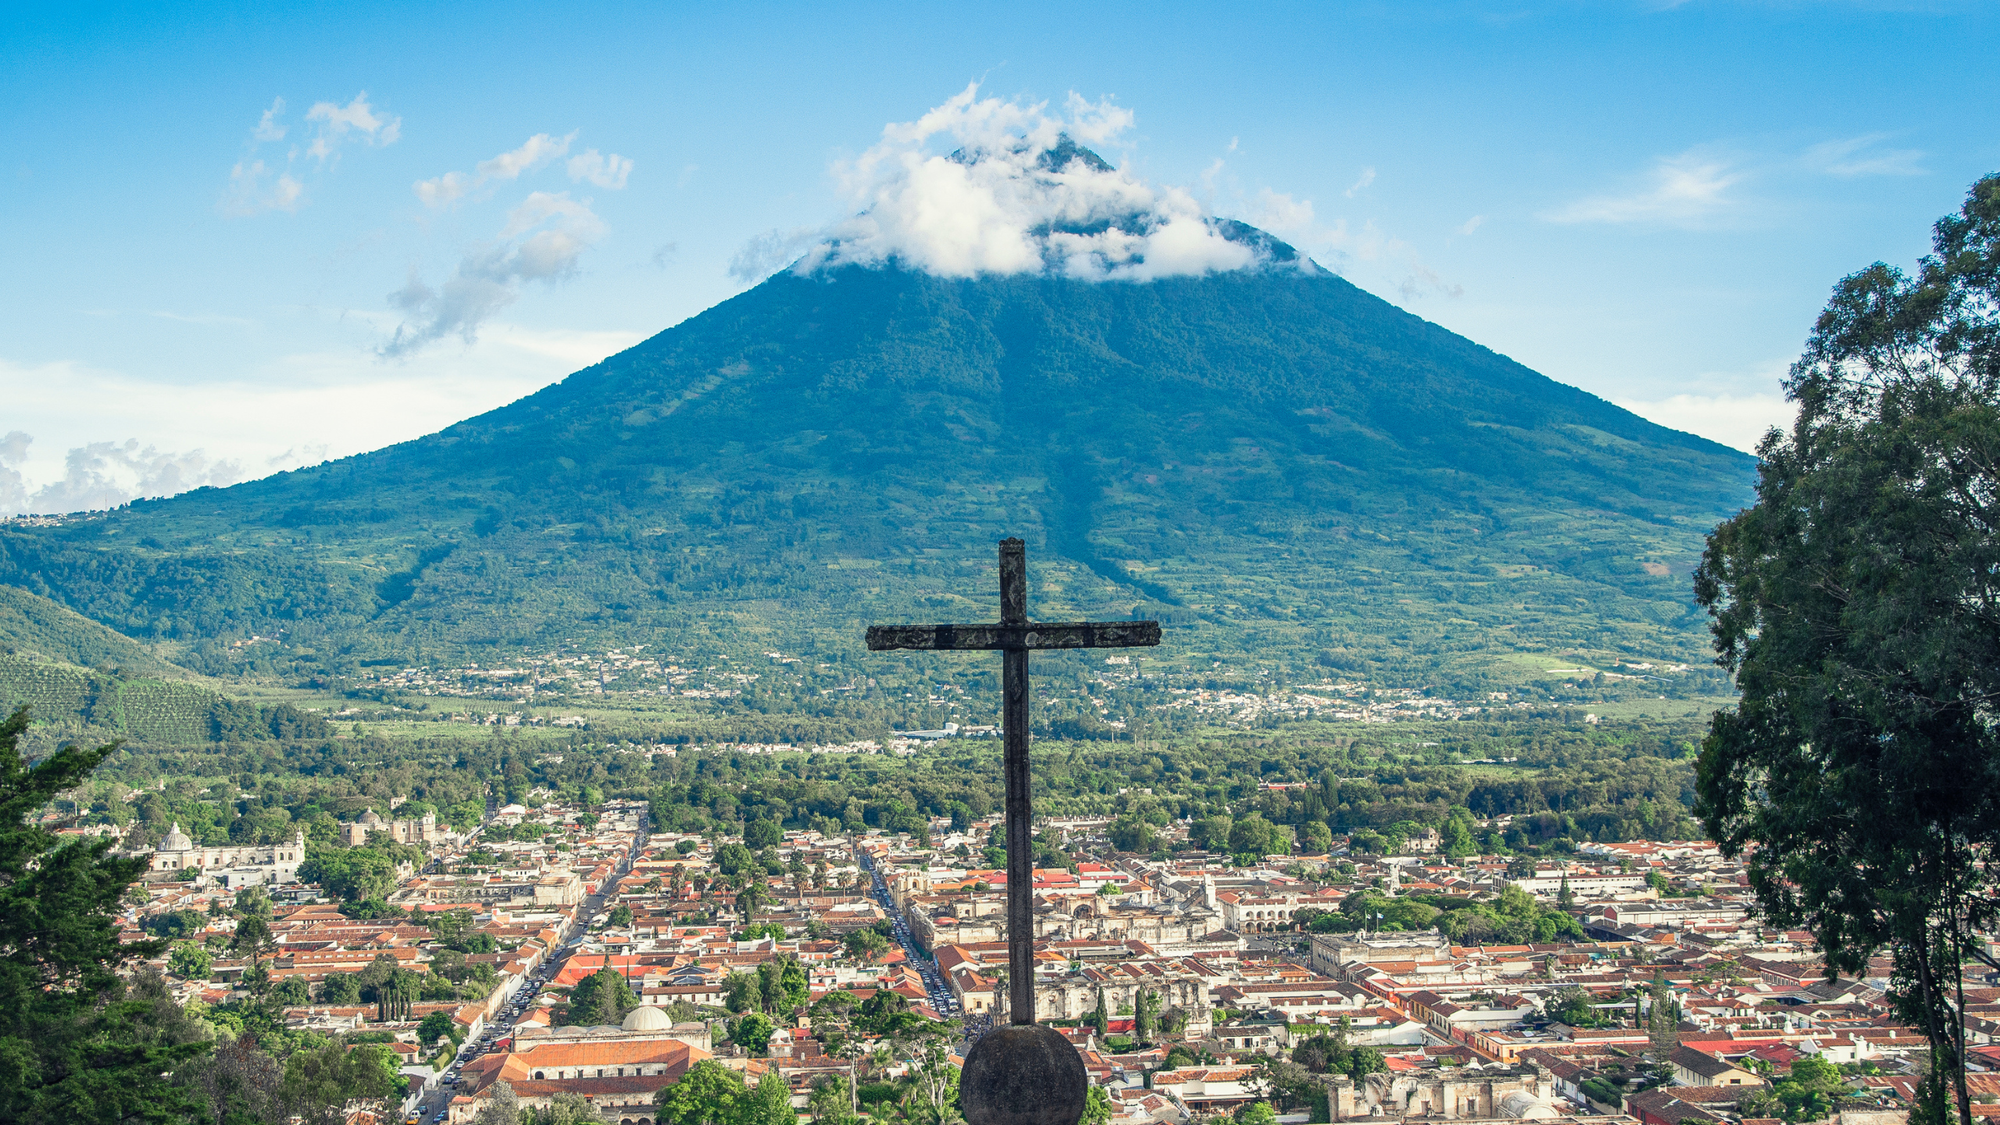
1013	637
1020	811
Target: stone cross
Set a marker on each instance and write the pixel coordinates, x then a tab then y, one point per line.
1019	1078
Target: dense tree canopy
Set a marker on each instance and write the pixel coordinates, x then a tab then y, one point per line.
1858	603
73	1047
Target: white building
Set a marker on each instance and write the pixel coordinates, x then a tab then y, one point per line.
237	865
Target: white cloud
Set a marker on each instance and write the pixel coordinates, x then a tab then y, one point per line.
607	172
541	241
1009	195
255	188
535	153
268	128
297	410
1472	224
13	486
105	474
444	190
1367	177
1279	212
1735	420
1682	191
769	252
1858	156
355	119
1394	257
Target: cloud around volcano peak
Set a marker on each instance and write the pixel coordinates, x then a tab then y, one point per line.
1014	193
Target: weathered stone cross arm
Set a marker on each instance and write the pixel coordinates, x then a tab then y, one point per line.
1017	638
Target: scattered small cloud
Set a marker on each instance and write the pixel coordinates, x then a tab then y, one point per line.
542	240
664	253
258	185
298	455
1860	156
1689	190
770	252
1293	218
355	120
1279	213
1472	224
607	172
268	128
254	188
537	152
1367	177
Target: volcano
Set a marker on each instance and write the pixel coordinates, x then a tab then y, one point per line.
1281	466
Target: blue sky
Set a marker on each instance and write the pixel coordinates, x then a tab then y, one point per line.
233	246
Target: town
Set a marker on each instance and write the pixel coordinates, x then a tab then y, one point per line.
561	951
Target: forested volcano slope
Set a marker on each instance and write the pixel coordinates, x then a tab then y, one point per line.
1289	468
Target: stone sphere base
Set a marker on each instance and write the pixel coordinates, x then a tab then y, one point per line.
1023	1075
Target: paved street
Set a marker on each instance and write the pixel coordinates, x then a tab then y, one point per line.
934	982
432	1107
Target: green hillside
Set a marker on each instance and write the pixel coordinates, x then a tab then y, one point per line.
1286	469
92	702
34	626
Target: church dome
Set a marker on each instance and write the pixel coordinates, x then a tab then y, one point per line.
370	817
645	1017
177	840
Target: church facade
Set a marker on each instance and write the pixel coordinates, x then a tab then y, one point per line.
235	865
417	832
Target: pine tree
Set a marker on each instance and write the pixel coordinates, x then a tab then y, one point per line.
1100	1017
73	1047
1565	898
1663	1021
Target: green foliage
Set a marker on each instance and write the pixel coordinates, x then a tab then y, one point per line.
190	961
603	997
350	874
175	924
1808	1093
752	1032
1097	1108
1130	834
149	709
865	945
1856	772
433	1027
73	1047
565	1108
332	1075
1573	1006
1256	1113
708	1094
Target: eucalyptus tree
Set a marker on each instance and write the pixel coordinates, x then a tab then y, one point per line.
1858	604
